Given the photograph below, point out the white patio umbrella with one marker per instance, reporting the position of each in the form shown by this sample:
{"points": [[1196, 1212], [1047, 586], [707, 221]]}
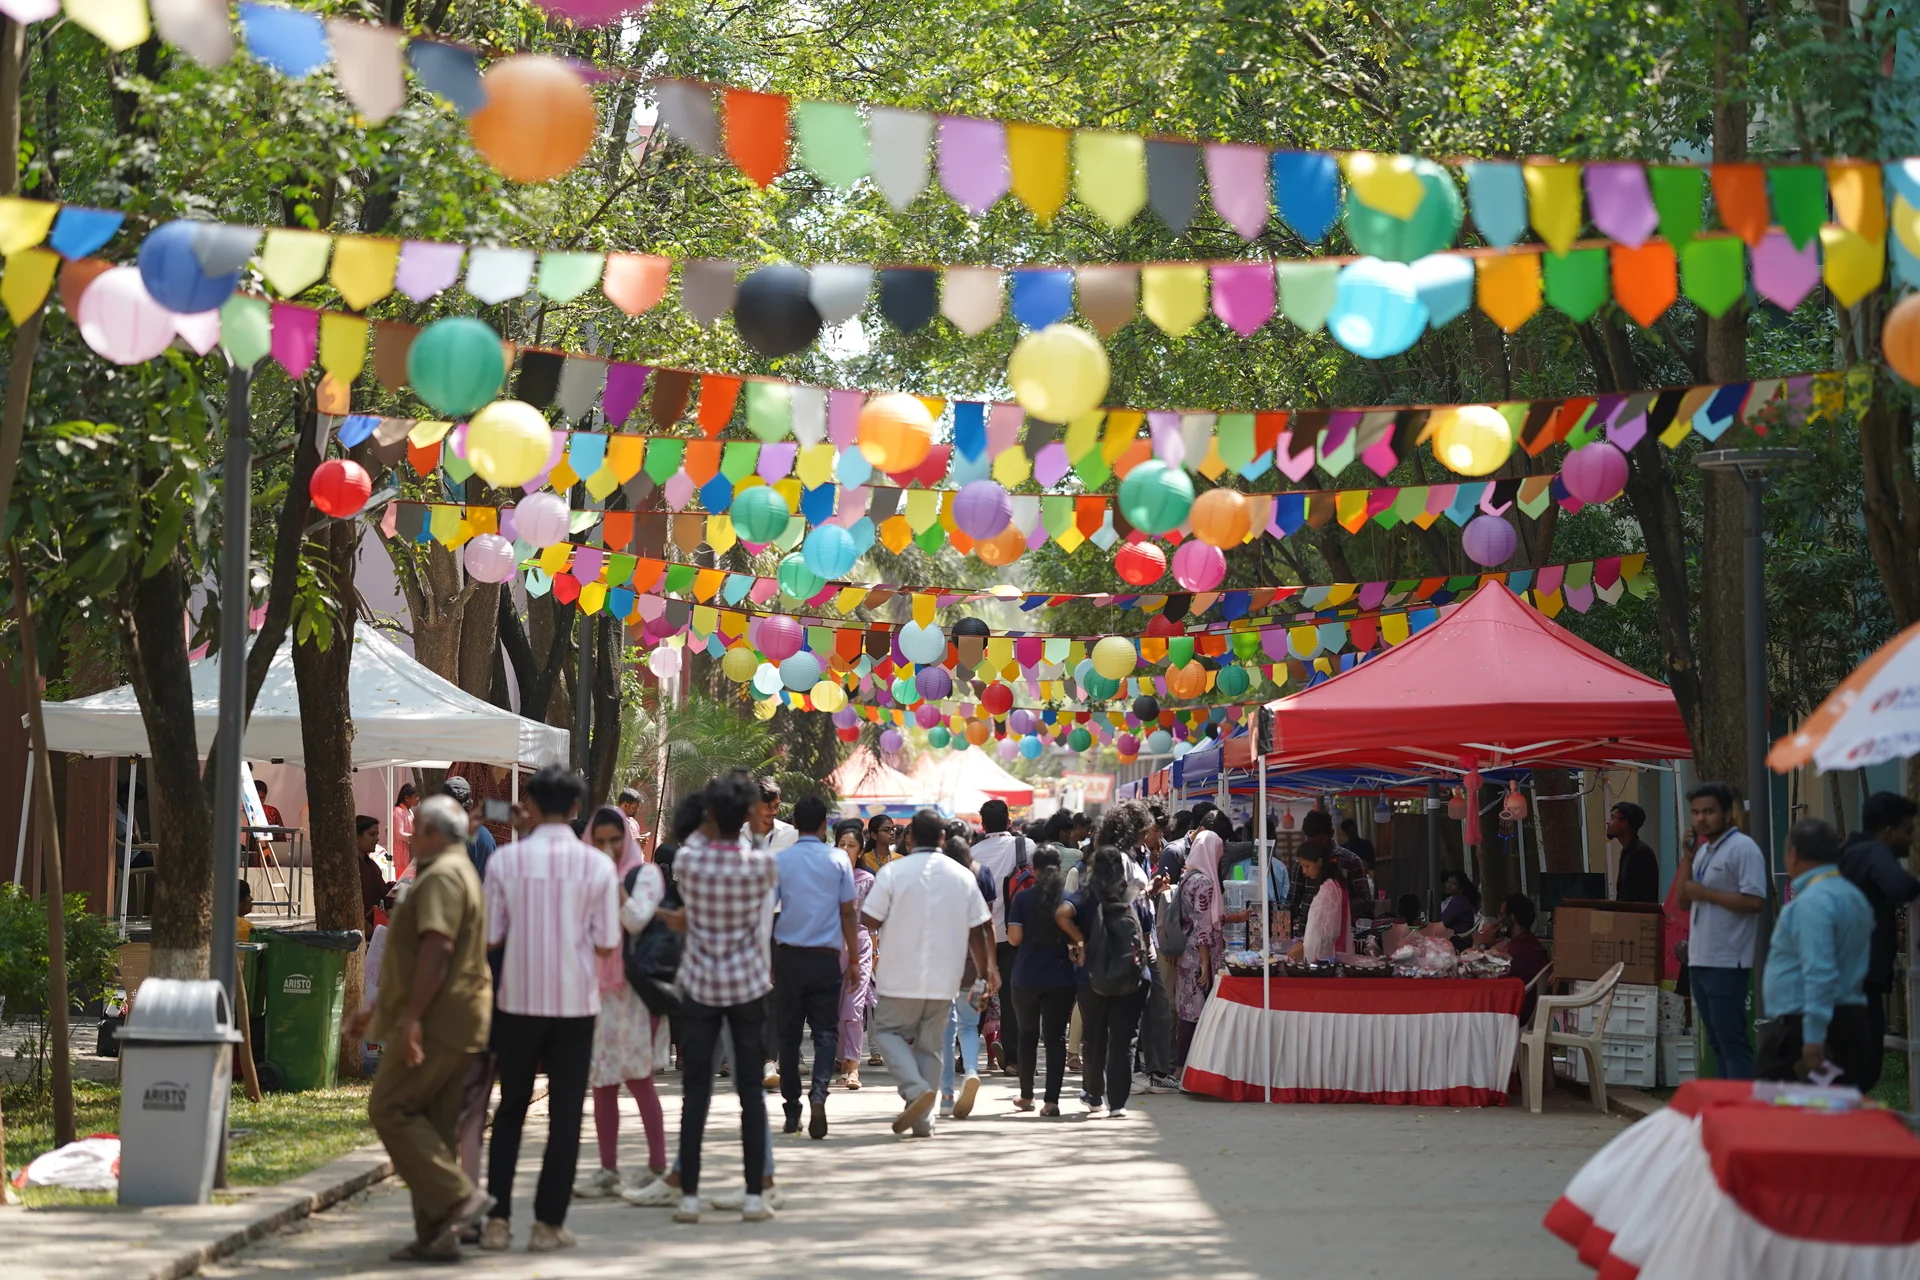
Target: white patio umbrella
{"points": [[1872, 717]]}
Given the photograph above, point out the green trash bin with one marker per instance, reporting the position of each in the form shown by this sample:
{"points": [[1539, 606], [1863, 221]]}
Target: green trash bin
{"points": [[304, 981]]}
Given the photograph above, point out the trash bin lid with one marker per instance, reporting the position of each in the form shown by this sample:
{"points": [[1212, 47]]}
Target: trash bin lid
{"points": [[249, 946], [325, 939], [180, 1011]]}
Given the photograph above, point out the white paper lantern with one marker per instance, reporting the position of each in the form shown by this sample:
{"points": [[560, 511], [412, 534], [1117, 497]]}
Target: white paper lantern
{"points": [[923, 645], [664, 661], [489, 558], [120, 320], [541, 519]]}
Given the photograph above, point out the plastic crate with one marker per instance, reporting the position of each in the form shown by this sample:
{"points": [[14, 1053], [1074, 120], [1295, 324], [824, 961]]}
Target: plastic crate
{"points": [[1628, 1060], [1676, 1061], [1634, 1011], [1675, 1019]]}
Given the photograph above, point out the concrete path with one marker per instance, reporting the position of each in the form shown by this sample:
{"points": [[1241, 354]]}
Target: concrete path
{"points": [[1186, 1187]]}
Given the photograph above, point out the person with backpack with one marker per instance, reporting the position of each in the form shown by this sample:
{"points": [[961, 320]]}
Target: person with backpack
{"points": [[1005, 857], [1107, 938], [1196, 933], [629, 1042], [1044, 982]]}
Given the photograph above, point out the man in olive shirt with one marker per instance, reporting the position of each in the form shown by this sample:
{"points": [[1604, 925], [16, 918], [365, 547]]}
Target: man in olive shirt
{"points": [[432, 1013]]}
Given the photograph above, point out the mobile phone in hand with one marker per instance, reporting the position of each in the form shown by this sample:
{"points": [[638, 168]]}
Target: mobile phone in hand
{"points": [[496, 811]]}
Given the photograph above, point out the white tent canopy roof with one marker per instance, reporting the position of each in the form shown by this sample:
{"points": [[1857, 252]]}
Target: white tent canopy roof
{"points": [[403, 714]]}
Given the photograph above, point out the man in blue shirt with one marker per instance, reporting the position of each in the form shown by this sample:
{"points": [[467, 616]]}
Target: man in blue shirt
{"points": [[1725, 885], [1815, 990], [479, 840], [816, 922]]}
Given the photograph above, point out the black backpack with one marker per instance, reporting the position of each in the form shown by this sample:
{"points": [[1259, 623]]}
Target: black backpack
{"points": [[1116, 950], [652, 959], [1021, 877]]}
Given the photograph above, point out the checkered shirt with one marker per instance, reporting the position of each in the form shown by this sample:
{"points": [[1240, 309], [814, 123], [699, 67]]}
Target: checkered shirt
{"points": [[727, 886]]}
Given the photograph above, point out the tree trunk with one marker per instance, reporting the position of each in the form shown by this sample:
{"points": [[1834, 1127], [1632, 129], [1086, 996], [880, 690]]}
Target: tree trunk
{"points": [[480, 638], [603, 750]]}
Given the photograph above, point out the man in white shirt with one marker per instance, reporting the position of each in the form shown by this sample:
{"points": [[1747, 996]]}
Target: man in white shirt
{"points": [[769, 831], [1725, 886], [931, 915], [1001, 852]]}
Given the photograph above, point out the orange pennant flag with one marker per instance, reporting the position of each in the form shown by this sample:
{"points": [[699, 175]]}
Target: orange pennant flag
{"points": [[1740, 193], [1645, 280], [717, 398], [633, 282], [1509, 288], [756, 125]]}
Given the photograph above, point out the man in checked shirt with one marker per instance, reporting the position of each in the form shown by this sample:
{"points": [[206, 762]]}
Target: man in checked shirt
{"points": [[725, 976]]}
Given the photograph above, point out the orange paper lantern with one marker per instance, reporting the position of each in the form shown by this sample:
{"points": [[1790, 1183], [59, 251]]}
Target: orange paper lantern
{"points": [[1220, 518], [1189, 681], [539, 119], [978, 732], [1900, 339], [895, 432], [1002, 549]]}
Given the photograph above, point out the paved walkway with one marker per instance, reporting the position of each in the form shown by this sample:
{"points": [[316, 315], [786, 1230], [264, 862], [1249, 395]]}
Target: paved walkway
{"points": [[1186, 1187]]}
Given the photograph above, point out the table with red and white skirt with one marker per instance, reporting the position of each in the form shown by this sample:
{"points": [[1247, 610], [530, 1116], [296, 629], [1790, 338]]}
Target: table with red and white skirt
{"points": [[1721, 1183], [1426, 1042]]}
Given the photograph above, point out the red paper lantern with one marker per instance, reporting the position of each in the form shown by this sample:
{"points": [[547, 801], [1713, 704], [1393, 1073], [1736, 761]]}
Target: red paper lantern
{"points": [[849, 734], [998, 699], [340, 487], [1140, 563], [1161, 625]]}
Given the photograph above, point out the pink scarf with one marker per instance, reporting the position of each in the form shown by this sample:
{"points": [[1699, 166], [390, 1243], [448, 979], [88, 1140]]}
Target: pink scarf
{"points": [[613, 968], [1203, 855]]}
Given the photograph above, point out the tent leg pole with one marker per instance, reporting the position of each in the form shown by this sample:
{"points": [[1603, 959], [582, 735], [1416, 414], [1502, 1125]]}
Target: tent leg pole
{"points": [[1266, 940], [1433, 850], [26, 809], [126, 854]]}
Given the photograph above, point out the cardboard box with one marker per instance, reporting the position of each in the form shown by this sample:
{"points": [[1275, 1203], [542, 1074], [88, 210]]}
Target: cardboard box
{"points": [[1591, 937]]}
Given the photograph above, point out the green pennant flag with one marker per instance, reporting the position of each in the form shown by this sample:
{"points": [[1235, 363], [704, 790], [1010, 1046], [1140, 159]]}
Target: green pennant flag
{"points": [[832, 142], [663, 459], [769, 410], [1577, 282], [1799, 195], [1678, 193], [1713, 273]]}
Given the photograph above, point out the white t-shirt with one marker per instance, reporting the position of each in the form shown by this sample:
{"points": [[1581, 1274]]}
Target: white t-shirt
{"points": [[927, 904], [997, 853]]}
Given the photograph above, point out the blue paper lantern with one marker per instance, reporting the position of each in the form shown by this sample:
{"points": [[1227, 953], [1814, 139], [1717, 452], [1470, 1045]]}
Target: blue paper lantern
{"points": [[800, 672], [829, 551], [173, 274], [1159, 742], [1031, 747], [1377, 311]]}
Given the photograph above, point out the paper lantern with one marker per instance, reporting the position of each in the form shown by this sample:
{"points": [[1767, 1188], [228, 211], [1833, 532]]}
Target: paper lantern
{"points": [[938, 736], [923, 644], [926, 717], [765, 710], [739, 664], [1472, 440], [760, 514], [541, 519], [779, 637], [904, 690], [1003, 549], [489, 558], [1199, 567], [340, 487], [1159, 742], [121, 321], [173, 275], [1595, 473], [1513, 808], [1079, 739], [1377, 309], [1099, 686], [1139, 564], [773, 312], [891, 741], [1030, 748], [456, 365], [978, 732], [1457, 806], [981, 509], [932, 683], [829, 551], [539, 119], [1220, 518], [1155, 498], [848, 734], [974, 627], [1161, 625], [797, 580], [1021, 721], [1488, 540], [895, 432], [1147, 707], [1232, 680], [508, 443], [1432, 226], [844, 718], [1900, 339], [1189, 681], [1058, 373], [828, 695], [997, 698], [800, 672], [1006, 749], [1115, 657], [664, 661]]}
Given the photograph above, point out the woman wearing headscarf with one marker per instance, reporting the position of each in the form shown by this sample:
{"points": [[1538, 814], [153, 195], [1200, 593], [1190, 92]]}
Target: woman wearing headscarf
{"points": [[1202, 906], [855, 1000], [629, 1043]]}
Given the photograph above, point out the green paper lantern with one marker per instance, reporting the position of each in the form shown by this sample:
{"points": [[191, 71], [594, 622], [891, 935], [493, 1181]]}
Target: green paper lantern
{"points": [[1155, 497], [1232, 681], [1080, 739], [456, 365], [798, 581], [939, 737], [904, 691], [1099, 686], [760, 514], [1434, 226]]}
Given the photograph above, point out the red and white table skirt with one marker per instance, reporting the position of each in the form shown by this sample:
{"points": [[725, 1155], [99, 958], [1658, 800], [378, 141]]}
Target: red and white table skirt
{"points": [[1425, 1042], [1717, 1184]]}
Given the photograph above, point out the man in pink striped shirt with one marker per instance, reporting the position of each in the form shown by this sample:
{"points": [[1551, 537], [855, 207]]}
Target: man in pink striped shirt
{"points": [[553, 902]]}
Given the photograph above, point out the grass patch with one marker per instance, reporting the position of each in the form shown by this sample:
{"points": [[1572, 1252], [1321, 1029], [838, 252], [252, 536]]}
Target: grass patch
{"points": [[282, 1136]]}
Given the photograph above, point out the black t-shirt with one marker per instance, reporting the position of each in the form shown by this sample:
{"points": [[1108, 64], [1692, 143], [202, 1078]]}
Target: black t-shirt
{"points": [[1639, 874], [1363, 849]]}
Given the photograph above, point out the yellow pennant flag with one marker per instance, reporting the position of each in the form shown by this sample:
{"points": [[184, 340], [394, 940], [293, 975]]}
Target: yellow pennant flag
{"points": [[1851, 264], [923, 508], [593, 597], [24, 223], [1386, 183], [1350, 509], [30, 274], [1122, 426], [848, 599], [1037, 155], [1212, 465], [1175, 298], [1857, 199], [427, 432], [1393, 627], [554, 558], [118, 24], [444, 523], [484, 519], [292, 260], [1508, 288], [705, 620], [1011, 466], [706, 582], [1906, 224], [1554, 204], [562, 477], [894, 534], [720, 535], [815, 464], [1083, 434], [363, 269], [343, 345], [1110, 174], [923, 605], [624, 456]]}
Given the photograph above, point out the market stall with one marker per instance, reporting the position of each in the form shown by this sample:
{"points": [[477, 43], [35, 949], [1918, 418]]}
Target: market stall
{"points": [[868, 785]]}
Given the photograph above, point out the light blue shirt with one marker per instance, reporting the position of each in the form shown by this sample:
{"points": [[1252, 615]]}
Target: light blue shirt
{"points": [[1817, 958], [1719, 938], [815, 878]]}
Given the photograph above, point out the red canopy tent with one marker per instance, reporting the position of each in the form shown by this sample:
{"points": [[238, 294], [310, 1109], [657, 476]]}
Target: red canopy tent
{"points": [[1494, 683]]}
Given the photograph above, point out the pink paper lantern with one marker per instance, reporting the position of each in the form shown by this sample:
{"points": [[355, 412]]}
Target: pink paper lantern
{"points": [[1127, 745], [1007, 749], [489, 558], [120, 320], [1198, 566], [981, 509], [541, 519], [780, 638], [890, 741], [928, 716], [1488, 540], [1595, 473]]}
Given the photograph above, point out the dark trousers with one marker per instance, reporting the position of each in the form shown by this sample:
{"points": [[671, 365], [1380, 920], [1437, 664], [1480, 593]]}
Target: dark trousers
{"points": [[806, 986], [700, 1029], [1044, 1012], [1877, 1035], [1851, 1046], [1720, 998], [523, 1044], [1010, 1019], [1107, 1024], [1156, 1025]]}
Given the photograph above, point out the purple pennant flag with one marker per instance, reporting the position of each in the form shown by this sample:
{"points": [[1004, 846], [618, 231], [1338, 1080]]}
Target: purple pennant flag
{"points": [[1630, 426], [776, 460], [1237, 178], [426, 269], [1243, 296], [1168, 444], [1051, 465], [973, 161], [1372, 593], [1621, 203], [625, 383], [587, 562], [296, 338], [1782, 274]]}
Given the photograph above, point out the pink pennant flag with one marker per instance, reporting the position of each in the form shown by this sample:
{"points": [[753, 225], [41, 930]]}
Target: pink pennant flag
{"points": [[427, 269], [973, 161], [1782, 274], [1440, 497], [1237, 179], [1581, 598], [296, 338], [1295, 466], [1486, 502], [763, 590], [1548, 580], [1372, 593], [843, 417], [853, 505], [1169, 446], [1243, 295], [1003, 426]]}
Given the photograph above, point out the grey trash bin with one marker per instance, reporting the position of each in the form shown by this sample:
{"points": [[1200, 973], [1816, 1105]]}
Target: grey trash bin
{"points": [[176, 1072]]}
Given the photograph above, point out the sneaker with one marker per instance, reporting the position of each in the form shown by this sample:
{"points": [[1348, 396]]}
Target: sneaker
{"points": [[969, 1090], [755, 1210], [924, 1129], [793, 1122], [497, 1236], [655, 1195], [634, 1179], [598, 1185], [725, 1199], [817, 1120], [546, 1239], [1118, 1113], [946, 1108], [775, 1197], [1162, 1084], [770, 1081], [689, 1210], [915, 1112]]}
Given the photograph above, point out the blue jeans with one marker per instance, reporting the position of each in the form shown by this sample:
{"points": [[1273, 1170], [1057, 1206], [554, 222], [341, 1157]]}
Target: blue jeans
{"points": [[963, 1022], [1720, 996]]}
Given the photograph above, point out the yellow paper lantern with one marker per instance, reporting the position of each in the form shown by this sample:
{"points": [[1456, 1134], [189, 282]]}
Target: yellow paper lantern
{"points": [[740, 663], [977, 732], [508, 443], [1115, 657], [1472, 440], [895, 432], [1059, 373], [828, 696], [1189, 681], [1220, 518], [765, 710]]}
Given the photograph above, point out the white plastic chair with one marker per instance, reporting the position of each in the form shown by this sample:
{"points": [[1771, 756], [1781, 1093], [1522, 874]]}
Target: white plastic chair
{"points": [[1538, 1041]]}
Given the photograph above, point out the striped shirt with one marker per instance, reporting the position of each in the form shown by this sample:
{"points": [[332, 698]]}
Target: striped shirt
{"points": [[553, 900], [728, 887]]}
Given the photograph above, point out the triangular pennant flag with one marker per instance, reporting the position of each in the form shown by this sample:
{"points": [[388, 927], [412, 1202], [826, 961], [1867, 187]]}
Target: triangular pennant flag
{"points": [[1645, 280], [1173, 182], [363, 269], [1508, 288], [832, 142], [756, 133], [1678, 193], [1553, 203], [898, 143], [452, 72], [291, 261], [1237, 181], [1497, 195], [973, 161], [1174, 296], [634, 282]]}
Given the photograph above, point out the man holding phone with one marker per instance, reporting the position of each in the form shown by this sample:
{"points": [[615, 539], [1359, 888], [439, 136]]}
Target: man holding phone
{"points": [[480, 841], [1815, 988]]}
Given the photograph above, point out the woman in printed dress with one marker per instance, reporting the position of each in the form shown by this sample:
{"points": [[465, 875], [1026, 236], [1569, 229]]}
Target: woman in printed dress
{"points": [[856, 1000], [1203, 907]]}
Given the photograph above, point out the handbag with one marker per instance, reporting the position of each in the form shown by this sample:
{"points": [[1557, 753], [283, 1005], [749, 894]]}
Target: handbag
{"points": [[651, 959]]}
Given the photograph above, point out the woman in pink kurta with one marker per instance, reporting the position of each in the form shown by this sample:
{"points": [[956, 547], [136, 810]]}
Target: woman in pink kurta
{"points": [[857, 999], [401, 833]]}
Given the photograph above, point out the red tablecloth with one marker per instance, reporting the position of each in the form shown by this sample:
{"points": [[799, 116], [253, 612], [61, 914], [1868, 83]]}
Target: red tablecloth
{"points": [[1853, 1178], [1404, 1041]]}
